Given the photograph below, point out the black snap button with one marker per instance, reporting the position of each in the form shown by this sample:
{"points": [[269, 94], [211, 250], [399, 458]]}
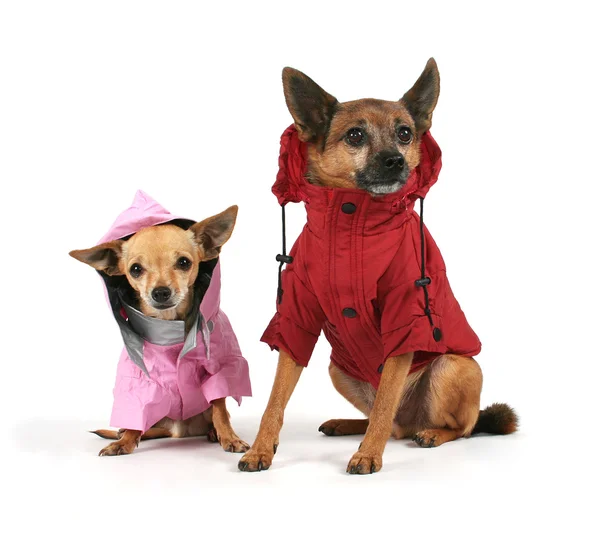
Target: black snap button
{"points": [[380, 368], [348, 208], [349, 312], [437, 334], [210, 325]]}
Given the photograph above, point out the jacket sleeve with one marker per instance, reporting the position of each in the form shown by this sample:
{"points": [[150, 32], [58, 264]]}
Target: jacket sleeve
{"points": [[297, 324]]}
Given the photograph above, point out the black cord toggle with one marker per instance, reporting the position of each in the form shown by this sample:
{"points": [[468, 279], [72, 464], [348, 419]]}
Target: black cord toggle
{"points": [[424, 280], [282, 258]]}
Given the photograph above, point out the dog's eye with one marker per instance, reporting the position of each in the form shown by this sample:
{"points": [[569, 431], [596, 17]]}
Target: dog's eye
{"points": [[135, 270], [183, 263], [404, 135], [355, 136]]}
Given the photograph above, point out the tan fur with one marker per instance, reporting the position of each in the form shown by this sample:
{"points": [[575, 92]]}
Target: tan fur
{"points": [[368, 458], [157, 250], [260, 455], [440, 397], [337, 163]]}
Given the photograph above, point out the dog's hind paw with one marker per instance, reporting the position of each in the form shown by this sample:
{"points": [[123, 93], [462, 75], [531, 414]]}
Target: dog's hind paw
{"points": [[425, 439], [212, 435], [336, 428], [117, 449]]}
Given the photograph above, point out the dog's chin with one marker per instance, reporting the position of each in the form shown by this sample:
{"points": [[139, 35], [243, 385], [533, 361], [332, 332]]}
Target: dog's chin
{"points": [[384, 188], [161, 311], [377, 184]]}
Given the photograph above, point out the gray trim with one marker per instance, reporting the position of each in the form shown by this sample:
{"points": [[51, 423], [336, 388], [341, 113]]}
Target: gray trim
{"points": [[156, 331], [139, 328], [190, 340]]}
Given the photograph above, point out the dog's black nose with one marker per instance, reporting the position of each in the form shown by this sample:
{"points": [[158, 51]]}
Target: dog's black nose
{"points": [[392, 160], [161, 294]]}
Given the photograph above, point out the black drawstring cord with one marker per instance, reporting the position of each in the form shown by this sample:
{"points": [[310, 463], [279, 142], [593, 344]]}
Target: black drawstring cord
{"points": [[425, 280], [283, 258]]}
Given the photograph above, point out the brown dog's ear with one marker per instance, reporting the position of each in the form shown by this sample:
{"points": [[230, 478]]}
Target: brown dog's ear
{"points": [[104, 257], [422, 98], [213, 232], [311, 107]]}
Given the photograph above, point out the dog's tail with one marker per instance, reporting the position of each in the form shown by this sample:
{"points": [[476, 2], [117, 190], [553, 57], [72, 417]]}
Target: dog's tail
{"points": [[106, 434], [498, 418]]}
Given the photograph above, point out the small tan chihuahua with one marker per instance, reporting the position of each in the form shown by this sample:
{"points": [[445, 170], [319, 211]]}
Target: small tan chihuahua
{"points": [[165, 269]]}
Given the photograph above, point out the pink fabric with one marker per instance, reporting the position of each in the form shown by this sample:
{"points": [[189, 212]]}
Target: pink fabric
{"points": [[178, 388]]}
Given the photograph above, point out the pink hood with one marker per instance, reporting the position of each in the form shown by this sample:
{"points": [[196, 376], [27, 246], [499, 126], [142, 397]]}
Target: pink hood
{"points": [[146, 212]]}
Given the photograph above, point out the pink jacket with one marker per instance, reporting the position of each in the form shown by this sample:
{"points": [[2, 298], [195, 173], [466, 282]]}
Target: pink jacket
{"points": [[164, 370]]}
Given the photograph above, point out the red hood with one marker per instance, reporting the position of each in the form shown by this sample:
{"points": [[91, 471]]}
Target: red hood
{"points": [[291, 184]]}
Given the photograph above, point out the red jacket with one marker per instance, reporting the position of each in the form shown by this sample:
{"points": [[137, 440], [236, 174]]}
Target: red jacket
{"points": [[357, 274]]}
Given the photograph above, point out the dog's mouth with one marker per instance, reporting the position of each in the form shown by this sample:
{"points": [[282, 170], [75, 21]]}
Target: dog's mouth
{"points": [[172, 303], [383, 187], [162, 307], [379, 184]]}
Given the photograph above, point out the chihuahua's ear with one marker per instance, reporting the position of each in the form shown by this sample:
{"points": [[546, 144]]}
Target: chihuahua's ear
{"points": [[311, 107], [213, 232], [104, 257], [422, 98]]}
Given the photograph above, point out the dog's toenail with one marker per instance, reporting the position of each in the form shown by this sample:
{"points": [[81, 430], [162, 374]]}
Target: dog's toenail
{"points": [[372, 468], [275, 448]]}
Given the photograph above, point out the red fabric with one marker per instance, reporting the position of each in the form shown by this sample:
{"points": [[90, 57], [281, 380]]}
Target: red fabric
{"points": [[368, 261]]}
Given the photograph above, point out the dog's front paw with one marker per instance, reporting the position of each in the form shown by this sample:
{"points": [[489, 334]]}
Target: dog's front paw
{"points": [[364, 463], [257, 460], [118, 448], [234, 445]]}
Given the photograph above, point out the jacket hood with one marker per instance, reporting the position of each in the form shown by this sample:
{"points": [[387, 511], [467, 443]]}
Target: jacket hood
{"points": [[291, 184], [136, 327], [143, 212], [146, 212]]}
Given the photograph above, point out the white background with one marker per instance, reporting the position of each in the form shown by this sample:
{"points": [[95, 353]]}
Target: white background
{"points": [[184, 100]]}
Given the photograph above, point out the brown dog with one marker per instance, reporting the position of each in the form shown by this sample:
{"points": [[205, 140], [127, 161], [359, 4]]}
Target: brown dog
{"points": [[374, 145], [161, 264]]}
